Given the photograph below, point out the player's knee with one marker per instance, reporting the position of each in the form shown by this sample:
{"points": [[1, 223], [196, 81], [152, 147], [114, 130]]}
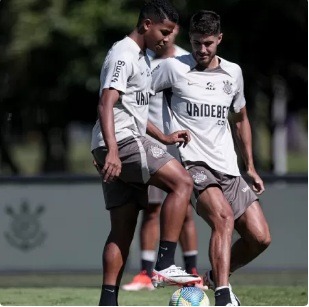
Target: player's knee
{"points": [[263, 241], [185, 184], [225, 222]]}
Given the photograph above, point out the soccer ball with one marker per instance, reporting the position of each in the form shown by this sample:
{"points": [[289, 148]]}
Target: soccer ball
{"points": [[189, 296]]}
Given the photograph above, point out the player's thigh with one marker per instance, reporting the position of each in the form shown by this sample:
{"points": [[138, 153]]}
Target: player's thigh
{"points": [[171, 175], [252, 224], [212, 206]]}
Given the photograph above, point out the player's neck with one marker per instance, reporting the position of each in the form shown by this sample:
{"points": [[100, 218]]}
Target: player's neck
{"points": [[214, 63], [169, 52], [139, 39]]}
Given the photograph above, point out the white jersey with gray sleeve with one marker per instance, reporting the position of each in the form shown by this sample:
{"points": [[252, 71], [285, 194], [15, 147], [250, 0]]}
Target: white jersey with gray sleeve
{"points": [[127, 69], [200, 102]]}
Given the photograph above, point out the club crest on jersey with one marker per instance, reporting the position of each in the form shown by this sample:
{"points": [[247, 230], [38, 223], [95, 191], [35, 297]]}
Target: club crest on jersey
{"points": [[199, 177], [156, 151], [227, 88]]}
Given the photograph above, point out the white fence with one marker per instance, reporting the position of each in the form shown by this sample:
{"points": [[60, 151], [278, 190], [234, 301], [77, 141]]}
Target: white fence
{"points": [[61, 224]]}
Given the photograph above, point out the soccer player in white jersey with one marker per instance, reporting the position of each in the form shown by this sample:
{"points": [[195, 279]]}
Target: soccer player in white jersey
{"points": [[149, 228], [202, 90], [128, 162]]}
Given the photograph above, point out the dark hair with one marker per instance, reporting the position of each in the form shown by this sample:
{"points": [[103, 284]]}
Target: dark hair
{"points": [[158, 10], [205, 22]]}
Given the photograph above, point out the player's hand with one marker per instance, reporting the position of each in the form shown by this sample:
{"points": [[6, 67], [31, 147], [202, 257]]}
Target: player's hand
{"points": [[257, 182], [111, 169], [182, 137]]}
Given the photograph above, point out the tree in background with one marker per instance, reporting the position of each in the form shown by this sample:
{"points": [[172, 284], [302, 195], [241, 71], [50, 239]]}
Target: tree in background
{"points": [[52, 52]]}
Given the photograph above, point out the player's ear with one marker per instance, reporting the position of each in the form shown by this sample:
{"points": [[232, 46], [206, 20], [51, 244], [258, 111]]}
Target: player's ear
{"points": [[220, 36], [146, 24]]}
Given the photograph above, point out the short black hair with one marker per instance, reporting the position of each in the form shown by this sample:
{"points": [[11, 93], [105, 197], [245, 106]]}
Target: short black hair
{"points": [[205, 22], [158, 10]]}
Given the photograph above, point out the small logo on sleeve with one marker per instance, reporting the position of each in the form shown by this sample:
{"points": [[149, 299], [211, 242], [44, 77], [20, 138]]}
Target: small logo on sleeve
{"points": [[117, 70]]}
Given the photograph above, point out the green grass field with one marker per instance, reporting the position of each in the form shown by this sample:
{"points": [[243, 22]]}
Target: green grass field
{"points": [[56, 289]]}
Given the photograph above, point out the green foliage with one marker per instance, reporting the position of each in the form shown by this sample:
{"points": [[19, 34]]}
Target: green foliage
{"points": [[52, 52], [77, 32]]}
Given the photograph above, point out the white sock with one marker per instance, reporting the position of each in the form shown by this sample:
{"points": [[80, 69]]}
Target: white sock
{"points": [[190, 253], [148, 255], [222, 287]]}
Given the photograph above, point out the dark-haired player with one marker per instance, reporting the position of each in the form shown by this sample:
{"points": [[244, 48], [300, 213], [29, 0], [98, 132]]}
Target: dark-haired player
{"points": [[128, 162], [203, 89]]}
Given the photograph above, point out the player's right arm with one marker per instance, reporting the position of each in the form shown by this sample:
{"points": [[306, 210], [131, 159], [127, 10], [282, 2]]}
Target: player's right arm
{"points": [[112, 167], [182, 137]]}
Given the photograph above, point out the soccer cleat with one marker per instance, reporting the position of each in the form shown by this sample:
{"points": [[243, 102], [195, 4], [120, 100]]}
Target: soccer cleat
{"points": [[173, 276], [208, 281], [235, 299], [226, 297], [199, 284], [211, 285], [139, 282]]}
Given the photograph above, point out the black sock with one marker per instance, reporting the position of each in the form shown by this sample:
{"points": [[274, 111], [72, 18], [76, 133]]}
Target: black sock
{"points": [[147, 266], [190, 263], [109, 295], [223, 296], [166, 255]]}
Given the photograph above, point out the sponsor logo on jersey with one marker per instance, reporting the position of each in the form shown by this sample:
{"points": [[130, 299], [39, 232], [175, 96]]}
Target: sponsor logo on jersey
{"points": [[156, 151], [199, 177], [148, 73], [142, 99], [117, 70], [227, 88], [157, 67], [207, 110], [192, 83], [210, 86]]}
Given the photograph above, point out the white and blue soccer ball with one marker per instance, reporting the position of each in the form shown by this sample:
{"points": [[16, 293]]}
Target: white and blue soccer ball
{"points": [[189, 296]]}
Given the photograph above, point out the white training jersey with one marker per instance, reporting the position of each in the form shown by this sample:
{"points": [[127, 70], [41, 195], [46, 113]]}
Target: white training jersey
{"points": [[127, 69], [200, 102], [159, 113]]}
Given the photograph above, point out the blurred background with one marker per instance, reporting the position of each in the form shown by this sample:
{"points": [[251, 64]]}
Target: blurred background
{"points": [[52, 215], [51, 56]]}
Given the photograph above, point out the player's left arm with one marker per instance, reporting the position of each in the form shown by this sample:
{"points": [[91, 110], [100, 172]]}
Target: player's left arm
{"points": [[243, 138]]}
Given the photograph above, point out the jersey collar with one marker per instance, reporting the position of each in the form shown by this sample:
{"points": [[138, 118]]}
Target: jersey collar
{"points": [[135, 46]]}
